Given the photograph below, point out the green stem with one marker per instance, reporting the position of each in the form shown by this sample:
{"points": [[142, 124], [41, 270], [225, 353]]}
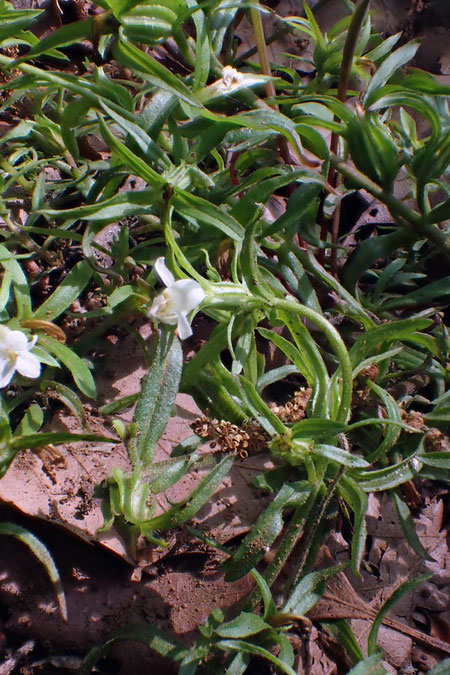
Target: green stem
{"points": [[258, 32], [398, 209], [350, 48], [277, 34], [290, 539], [306, 544], [336, 343], [422, 201]]}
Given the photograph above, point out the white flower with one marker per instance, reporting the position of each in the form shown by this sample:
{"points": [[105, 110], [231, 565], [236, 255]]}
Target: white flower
{"points": [[15, 355], [232, 80], [174, 304], [231, 77]]}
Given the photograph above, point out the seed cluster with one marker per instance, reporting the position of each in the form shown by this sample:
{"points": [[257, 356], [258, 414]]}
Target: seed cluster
{"points": [[294, 410], [243, 440], [248, 438]]}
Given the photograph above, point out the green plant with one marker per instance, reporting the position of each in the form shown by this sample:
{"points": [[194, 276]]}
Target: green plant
{"points": [[200, 221]]}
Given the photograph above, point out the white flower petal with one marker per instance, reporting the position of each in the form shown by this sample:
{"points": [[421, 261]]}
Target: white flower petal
{"points": [[184, 327], [186, 295], [4, 331], [7, 369], [164, 274], [176, 301], [15, 340], [28, 364]]}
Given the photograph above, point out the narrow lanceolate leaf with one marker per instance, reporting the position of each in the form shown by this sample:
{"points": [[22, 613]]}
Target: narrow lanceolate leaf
{"points": [[66, 35], [206, 213], [31, 421], [135, 59], [258, 409], [242, 626], [12, 22], [250, 648], [69, 398], [160, 641], [55, 438], [265, 531], [80, 371], [339, 455], [370, 666], [357, 500], [385, 479], [202, 49], [129, 159], [435, 293], [368, 252], [183, 511], [440, 460], [406, 521], [309, 590], [159, 388], [270, 608], [19, 282], [317, 429], [371, 341], [406, 587], [392, 432], [150, 149], [393, 62], [108, 210], [66, 293], [43, 555]]}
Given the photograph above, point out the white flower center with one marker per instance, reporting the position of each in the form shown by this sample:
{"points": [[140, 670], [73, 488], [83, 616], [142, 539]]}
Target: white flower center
{"points": [[166, 306], [11, 355], [231, 77]]}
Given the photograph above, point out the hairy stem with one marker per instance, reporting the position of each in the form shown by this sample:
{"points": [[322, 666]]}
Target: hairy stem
{"points": [[287, 545], [295, 577]]}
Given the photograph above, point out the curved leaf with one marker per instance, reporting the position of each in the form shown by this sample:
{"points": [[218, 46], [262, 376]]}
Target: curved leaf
{"points": [[389, 66], [43, 555]]}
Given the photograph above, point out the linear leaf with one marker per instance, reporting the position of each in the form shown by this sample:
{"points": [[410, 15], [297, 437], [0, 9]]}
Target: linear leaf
{"points": [[183, 511], [356, 499], [66, 293], [371, 341], [309, 590], [112, 209], [192, 206], [406, 521], [80, 371], [406, 587], [389, 66], [266, 529], [249, 648], [131, 57], [339, 455], [130, 160], [43, 555], [161, 642]]}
